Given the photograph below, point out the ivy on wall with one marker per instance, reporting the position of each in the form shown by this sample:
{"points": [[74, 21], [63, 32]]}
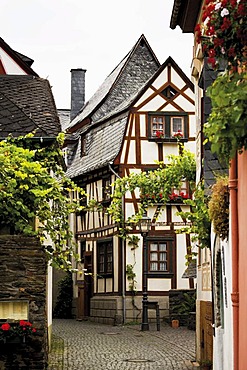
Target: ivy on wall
{"points": [[34, 190]]}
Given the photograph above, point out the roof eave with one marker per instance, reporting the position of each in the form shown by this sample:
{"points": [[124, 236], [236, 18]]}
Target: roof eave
{"points": [[185, 14]]}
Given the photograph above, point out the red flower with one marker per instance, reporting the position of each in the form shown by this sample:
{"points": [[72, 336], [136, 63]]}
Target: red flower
{"points": [[34, 330], [161, 195], [212, 61], [241, 10], [226, 24], [218, 42], [198, 28], [233, 3], [231, 52], [5, 327], [210, 31], [211, 53]]}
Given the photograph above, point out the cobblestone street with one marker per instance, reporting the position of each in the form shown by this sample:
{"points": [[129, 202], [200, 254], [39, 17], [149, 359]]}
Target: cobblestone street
{"points": [[91, 346]]}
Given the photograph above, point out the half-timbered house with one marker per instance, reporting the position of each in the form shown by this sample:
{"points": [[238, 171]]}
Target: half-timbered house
{"points": [[127, 125]]}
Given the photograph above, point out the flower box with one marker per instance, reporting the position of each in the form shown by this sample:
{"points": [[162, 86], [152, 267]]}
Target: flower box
{"points": [[16, 332]]}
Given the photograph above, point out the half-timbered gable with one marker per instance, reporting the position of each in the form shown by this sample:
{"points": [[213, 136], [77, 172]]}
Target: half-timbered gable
{"points": [[132, 121]]}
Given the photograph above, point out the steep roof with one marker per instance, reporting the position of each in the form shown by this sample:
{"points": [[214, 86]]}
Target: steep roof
{"points": [[102, 145], [22, 60], [27, 104], [122, 85], [106, 113]]}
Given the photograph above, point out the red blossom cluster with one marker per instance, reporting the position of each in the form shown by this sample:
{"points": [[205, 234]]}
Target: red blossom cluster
{"points": [[159, 134], [222, 32], [178, 134], [20, 329], [181, 195]]}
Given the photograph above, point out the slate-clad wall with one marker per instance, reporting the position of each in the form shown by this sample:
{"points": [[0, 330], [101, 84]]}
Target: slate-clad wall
{"points": [[23, 277]]}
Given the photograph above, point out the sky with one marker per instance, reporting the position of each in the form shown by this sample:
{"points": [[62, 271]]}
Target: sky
{"points": [[91, 34]]}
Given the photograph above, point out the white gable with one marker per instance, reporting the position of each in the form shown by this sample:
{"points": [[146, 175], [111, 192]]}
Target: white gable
{"points": [[10, 66]]}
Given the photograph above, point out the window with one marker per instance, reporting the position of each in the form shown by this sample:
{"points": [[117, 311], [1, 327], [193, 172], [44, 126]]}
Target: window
{"points": [[105, 257], [177, 125], [82, 250], [158, 256], [106, 189], [157, 126], [161, 254], [167, 126]]}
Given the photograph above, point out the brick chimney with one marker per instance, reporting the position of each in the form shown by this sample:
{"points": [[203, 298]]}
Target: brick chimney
{"points": [[77, 91]]}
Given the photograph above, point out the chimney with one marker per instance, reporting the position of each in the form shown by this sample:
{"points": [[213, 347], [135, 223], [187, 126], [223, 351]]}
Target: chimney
{"points": [[77, 91]]}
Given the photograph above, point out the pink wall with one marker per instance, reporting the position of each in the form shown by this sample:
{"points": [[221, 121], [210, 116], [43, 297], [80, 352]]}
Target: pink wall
{"points": [[242, 217]]}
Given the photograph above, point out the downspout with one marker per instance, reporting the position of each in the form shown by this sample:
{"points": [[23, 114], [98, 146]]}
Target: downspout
{"points": [[123, 254], [233, 188]]}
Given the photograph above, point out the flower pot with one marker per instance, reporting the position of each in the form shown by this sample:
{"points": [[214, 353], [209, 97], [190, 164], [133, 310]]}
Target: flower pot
{"points": [[175, 324]]}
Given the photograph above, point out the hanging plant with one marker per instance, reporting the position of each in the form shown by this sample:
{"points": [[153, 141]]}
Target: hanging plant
{"points": [[219, 207], [226, 128], [222, 32]]}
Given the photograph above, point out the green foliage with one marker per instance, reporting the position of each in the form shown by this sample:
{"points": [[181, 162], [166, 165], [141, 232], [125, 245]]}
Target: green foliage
{"points": [[131, 275], [219, 207], [198, 218], [63, 307], [161, 181], [226, 128], [34, 190], [133, 241], [185, 306]]}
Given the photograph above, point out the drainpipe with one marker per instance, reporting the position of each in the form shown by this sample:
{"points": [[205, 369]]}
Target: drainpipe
{"points": [[123, 254], [233, 188]]}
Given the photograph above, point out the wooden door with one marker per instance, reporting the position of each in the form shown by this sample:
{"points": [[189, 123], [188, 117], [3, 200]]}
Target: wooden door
{"points": [[206, 331]]}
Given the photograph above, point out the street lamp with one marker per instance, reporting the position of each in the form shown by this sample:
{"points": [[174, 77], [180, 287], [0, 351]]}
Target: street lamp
{"points": [[145, 225]]}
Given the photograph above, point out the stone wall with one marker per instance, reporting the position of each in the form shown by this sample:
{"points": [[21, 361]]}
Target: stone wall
{"points": [[23, 278]]}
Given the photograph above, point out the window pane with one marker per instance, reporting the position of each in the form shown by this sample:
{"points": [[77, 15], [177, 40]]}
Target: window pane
{"points": [[153, 247], [163, 256], [163, 266], [154, 266], [162, 247], [177, 124], [154, 256]]}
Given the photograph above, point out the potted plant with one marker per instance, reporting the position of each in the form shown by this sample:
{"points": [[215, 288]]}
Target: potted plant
{"points": [[16, 332]]}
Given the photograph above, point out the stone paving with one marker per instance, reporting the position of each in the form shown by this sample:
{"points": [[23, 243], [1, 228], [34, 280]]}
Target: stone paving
{"points": [[83, 345]]}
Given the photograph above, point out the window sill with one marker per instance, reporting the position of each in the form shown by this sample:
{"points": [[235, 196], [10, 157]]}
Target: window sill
{"points": [[160, 274], [167, 140]]}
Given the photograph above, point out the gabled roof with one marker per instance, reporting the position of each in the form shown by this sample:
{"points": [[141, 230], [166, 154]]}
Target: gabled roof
{"points": [[23, 61], [105, 115], [27, 104], [122, 85]]}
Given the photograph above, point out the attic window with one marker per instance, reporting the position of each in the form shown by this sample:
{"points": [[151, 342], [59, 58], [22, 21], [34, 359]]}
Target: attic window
{"points": [[169, 92]]}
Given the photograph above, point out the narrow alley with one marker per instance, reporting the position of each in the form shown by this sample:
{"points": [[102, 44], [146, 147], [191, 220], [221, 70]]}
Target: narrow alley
{"points": [[83, 345]]}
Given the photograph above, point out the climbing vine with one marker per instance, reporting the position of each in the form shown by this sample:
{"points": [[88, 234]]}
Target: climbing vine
{"points": [[152, 187], [198, 218], [34, 196]]}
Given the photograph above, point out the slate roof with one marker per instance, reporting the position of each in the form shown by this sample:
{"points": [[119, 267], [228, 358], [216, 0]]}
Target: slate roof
{"points": [[105, 114], [122, 85], [102, 146], [28, 100], [64, 117], [190, 271]]}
